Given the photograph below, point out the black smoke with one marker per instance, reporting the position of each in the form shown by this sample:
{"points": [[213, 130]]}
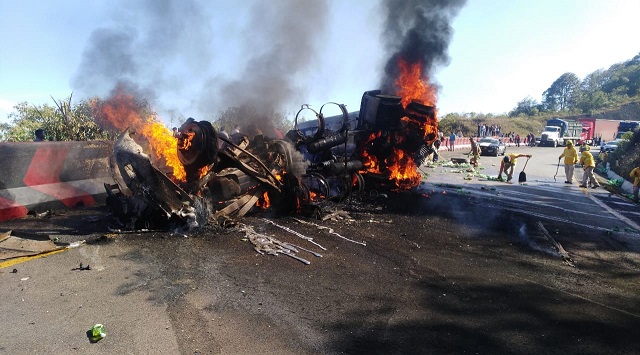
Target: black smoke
{"points": [[418, 31]]}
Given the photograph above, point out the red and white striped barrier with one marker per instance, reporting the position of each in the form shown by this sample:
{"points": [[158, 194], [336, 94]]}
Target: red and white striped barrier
{"points": [[37, 176]]}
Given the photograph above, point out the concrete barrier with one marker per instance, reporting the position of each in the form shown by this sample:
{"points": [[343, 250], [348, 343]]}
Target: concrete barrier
{"points": [[38, 176], [627, 186]]}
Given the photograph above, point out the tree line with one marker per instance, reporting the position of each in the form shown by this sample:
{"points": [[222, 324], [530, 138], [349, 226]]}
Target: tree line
{"points": [[67, 121], [62, 121], [598, 90]]}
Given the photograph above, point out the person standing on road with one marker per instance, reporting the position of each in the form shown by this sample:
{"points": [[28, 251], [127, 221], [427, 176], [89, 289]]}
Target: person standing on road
{"points": [[588, 164], [508, 164], [452, 141], [570, 155], [475, 152], [602, 158], [39, 133], [436, 148], [635, 174]]}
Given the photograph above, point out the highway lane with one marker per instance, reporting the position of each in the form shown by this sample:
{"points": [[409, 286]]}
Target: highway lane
{"points": [[459, 267], [541, 195]]}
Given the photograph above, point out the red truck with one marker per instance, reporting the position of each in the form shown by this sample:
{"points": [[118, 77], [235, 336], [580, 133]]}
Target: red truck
{"points": [[597, 130]]}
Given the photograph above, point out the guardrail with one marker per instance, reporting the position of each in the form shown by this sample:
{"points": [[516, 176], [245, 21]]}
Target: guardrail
{"points": [[40, 176]]}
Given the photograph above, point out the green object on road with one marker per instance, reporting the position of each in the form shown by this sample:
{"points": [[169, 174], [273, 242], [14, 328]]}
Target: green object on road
{"points": [[615, 182], [97, 332]]}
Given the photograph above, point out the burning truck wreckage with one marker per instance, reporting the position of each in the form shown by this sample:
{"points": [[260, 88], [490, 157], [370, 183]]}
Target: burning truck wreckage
{"points": [[202, 178]]}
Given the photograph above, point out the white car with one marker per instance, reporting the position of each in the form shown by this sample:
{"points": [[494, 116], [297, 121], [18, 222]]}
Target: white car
{"points": [[610, 146], [492, 146]]}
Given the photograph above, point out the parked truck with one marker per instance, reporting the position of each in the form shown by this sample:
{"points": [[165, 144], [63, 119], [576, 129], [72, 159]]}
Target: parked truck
{"points": [[557, 132], [595, 131], [626, 126]]}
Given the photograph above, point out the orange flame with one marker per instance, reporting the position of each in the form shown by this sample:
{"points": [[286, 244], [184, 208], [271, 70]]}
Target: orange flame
{"points": [[403, 169], [122, 111], [412, 86], [369, 161], [186, 140], [203, 171], [264, 201]]}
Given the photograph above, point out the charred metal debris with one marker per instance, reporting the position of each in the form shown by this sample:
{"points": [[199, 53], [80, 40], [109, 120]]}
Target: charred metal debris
{"points": [[316, 163]]}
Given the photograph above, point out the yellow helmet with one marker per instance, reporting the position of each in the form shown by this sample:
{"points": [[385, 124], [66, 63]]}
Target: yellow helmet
{"points": [[570, 143]]}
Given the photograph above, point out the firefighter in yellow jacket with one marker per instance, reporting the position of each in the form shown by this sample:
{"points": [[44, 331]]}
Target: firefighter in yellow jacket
{"points": [[588, 164], [570, 155], [508, 164], [635, 174]]}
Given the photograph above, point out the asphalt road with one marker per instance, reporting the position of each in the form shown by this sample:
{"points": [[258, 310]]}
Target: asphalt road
{"points": [[458, 266]]}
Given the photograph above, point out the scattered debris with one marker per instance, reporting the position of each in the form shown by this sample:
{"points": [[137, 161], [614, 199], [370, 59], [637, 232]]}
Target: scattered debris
{"points": [[96, 333], [76, 244], [264, 244], [82, 267], [615, 182], [309, 239], [563, 253], [330, 231], [12, 246], [339, 215], [460, 161], [5, 235], [44, 214]]}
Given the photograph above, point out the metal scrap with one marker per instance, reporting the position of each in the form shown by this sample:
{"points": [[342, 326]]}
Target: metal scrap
{"points": [[265, 244], [330, 231], [309, 239], [563, 253]]}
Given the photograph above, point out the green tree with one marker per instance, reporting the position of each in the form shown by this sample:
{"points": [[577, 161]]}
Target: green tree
{"points": [[527, 106], [62, 122], [563, 94]]}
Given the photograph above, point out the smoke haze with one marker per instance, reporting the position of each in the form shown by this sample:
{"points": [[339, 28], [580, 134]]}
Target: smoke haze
{"points": [[172, 49]]}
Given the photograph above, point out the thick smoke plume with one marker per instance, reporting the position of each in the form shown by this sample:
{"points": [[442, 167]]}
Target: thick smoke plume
{"points": [[417, 31], [282, 43], [167, 49], [168, 35]]}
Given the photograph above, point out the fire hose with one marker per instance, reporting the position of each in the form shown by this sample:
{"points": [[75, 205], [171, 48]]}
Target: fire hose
{"points": [[558, 168]]}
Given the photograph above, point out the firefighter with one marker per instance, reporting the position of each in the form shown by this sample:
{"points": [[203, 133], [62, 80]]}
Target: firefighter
{"points": [[635, 174], [570, 155], [508, 164], [602, 157], [474, 153], [588, 164]]}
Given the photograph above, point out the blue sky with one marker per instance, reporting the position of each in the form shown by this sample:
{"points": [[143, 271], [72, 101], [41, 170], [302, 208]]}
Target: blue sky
{"points": [[502, 51]]}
